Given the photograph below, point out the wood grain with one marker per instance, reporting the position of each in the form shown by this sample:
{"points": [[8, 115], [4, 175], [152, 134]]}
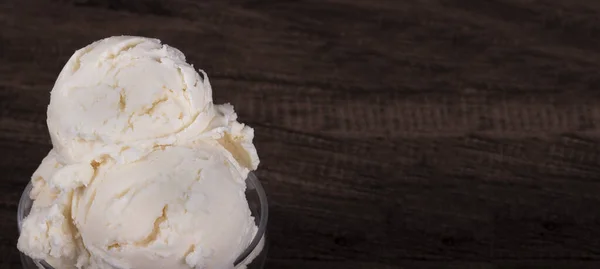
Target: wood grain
{"points": [[392, 134]]}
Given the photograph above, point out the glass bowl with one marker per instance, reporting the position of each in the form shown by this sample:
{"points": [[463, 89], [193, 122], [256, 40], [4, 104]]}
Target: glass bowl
{"points": [[252, 258]]}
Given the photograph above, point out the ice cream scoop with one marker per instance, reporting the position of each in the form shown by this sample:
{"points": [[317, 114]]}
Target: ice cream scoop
{"points": [[122, 96], [179, 207]]}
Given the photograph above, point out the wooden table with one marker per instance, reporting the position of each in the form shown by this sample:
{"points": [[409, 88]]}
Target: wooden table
{"points": [[392, 134]]}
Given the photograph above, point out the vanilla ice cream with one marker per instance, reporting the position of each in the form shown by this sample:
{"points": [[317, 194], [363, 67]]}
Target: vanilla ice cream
{"points": [[146, 172], [188, 204], [121, 96], [48, 231]]}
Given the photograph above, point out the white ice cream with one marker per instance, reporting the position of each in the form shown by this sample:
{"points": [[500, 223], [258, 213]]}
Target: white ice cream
{"points": [[122, 96], [48, 231], [146, 172], [177, 208]]}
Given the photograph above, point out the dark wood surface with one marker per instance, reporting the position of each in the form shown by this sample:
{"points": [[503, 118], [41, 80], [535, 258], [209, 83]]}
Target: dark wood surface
{"points": [[393, 134]]}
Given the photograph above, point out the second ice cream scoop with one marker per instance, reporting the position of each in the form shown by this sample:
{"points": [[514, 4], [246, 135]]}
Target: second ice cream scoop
{"points": [[177, 208]]}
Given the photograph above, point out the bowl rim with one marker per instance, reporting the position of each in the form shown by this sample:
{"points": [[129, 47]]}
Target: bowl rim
{"points": [[252, 182]]}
